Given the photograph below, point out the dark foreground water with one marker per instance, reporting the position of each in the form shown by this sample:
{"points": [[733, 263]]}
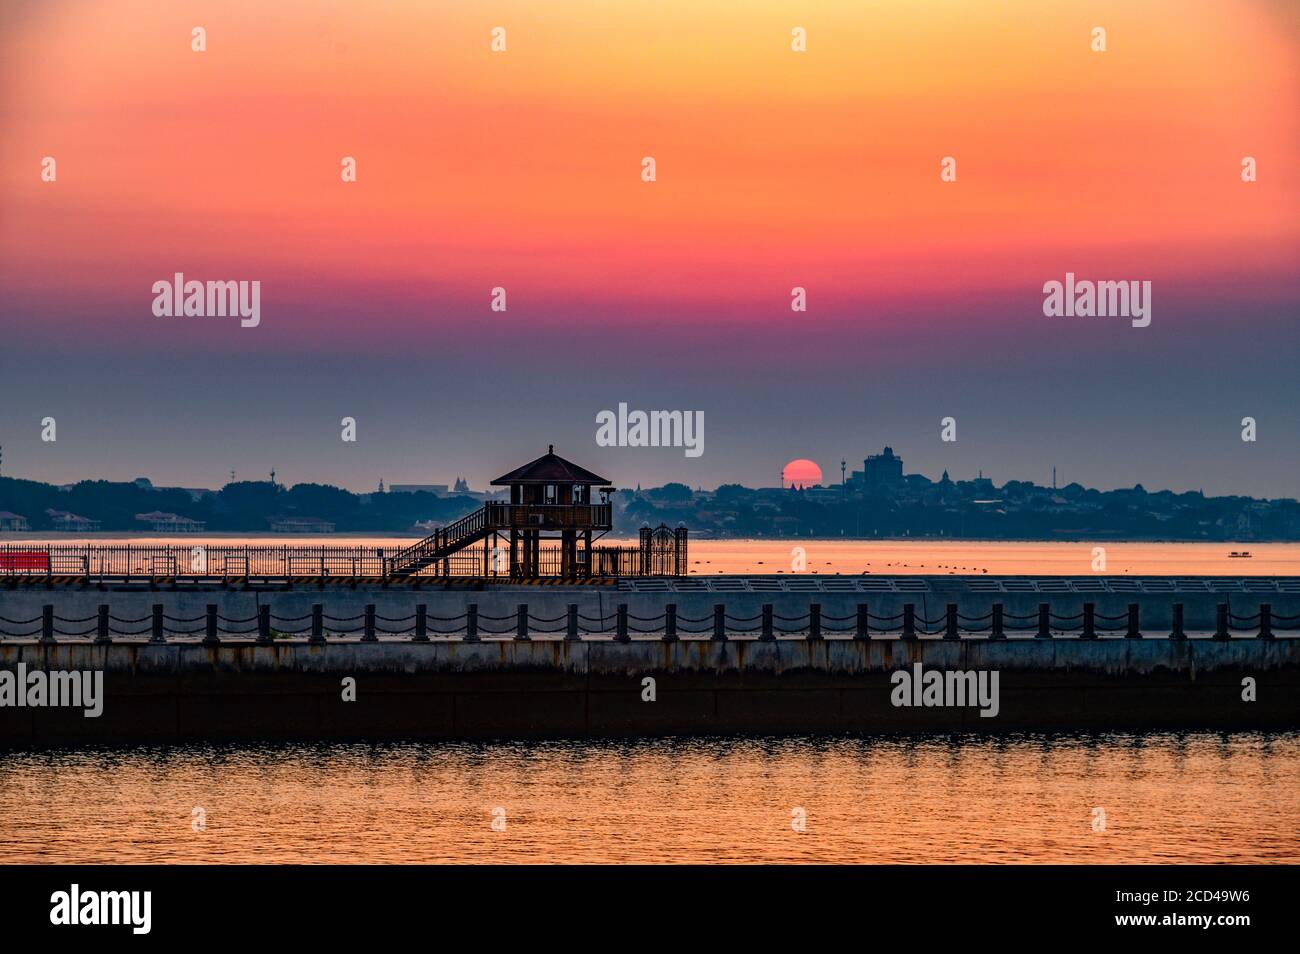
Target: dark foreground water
{"points": [[1196, 797]]}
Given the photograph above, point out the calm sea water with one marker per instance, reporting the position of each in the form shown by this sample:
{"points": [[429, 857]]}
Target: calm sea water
{"points": [[1196, 797], [888, 557]]}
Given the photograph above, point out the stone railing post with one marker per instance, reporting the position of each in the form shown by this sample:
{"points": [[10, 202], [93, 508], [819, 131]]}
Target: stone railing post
{"points": [[156, 630], [909, 621], [317, 624], [1089, 621], [1044, 621], [1221, 622], [101, 627]]}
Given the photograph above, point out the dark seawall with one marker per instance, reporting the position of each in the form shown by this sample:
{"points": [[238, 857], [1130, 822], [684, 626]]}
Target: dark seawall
{"points": [[549, 688], [175, 670]]}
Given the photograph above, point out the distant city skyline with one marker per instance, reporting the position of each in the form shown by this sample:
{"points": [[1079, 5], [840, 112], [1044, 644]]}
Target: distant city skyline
{"points": [[830, 479]]}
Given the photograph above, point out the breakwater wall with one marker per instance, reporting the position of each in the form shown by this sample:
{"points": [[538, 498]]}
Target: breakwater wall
{"points": [[552, 687], [203, 660]]}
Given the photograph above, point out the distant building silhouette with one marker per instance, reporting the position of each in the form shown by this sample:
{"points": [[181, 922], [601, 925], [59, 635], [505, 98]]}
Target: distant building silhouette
{"points": [[882, 472]]}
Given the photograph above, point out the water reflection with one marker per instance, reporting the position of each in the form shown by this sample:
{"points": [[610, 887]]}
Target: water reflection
{"points": [[1188, 797]]}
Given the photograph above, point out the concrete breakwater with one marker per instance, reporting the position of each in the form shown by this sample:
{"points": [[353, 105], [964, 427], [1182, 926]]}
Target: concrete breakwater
{"points": [[186, 661], [552, 687]]}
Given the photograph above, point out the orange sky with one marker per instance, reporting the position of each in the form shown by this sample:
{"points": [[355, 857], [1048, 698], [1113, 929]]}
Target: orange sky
{"points": [[819, 168], [775, 169]]}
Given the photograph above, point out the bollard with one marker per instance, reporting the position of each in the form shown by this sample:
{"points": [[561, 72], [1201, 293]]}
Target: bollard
{"points": [[368, 636], [1177, 632], [1134, 630], [950, 625], [719, 621], [909, 621], [997, 629], [1221, 622], [571, 624], [814, 620], [864, 622], [101, 633], [156, 636], [620, 624], [264, 626], [47, 623], [1089, 621], [421, 624], [521, 621], [1044, 621], [210, 637], [765, 634], [471, 623], [670, 623], [1265, 620], [317, 624]]}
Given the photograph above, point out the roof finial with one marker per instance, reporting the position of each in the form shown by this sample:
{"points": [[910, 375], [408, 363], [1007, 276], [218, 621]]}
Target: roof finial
{"points": [[550, 448]]}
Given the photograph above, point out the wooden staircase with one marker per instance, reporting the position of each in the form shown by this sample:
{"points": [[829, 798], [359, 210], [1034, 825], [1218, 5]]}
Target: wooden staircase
{"points": [[442, 543]]}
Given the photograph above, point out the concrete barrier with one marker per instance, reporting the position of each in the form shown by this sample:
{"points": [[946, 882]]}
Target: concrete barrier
{"points": [[549, 687]]}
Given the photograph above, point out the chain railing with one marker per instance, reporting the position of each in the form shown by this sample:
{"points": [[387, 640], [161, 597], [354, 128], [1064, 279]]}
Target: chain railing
{"points": [[266, 627]]}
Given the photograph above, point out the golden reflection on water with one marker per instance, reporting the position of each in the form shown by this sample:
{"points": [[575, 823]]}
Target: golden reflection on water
{"points": [[1202, 797]]}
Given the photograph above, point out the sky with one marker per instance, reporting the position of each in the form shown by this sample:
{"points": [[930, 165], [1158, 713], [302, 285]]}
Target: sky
{"points": [[774, 169]]}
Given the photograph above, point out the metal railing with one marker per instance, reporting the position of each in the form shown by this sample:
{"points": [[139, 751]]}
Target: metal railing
{"points": [[765, 626]]}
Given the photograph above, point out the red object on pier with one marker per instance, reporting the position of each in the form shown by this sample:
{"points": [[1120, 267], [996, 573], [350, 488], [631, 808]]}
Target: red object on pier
{"points": [[25, 560]]}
